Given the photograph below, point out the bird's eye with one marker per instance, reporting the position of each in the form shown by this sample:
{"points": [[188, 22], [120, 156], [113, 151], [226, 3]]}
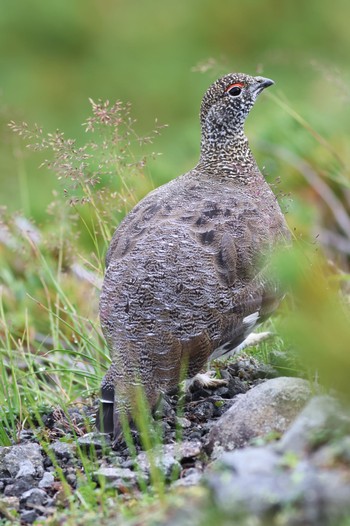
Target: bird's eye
{"points": [[234, 89]]}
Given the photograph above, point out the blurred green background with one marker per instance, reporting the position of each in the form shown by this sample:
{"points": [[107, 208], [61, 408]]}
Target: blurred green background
{"points": [[56, 54]]}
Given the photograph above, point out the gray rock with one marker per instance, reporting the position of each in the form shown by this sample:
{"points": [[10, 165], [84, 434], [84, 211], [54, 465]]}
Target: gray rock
{"points": [[257, 481], [71, 478], [63, 450], [321, 416], [33, 497], [96, 441], [29, 516], [267, 408], [185, 450], [238, 486], [18, 487], [21, 460], [204, 411], [168, 458], [161, 460], [253, 460], [27, 469], [112, 473], [191, 477], [47, 480], [116, 477], [183, 422]]}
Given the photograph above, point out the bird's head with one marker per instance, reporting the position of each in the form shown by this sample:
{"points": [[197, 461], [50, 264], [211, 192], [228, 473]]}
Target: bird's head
{"points": [[227, 103]]}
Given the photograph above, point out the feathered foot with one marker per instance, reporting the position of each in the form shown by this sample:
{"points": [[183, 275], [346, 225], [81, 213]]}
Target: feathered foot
{"points": [[205, 380]]}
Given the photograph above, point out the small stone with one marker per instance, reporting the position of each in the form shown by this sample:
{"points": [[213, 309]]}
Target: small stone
{"points": [[199, 393], [34, 497], [127, 463], [190, 477], [18, 487], [47, 480], [48, 463], [27, 469], [183, 422], [120, 479], [165, 462], [257, 460], [222, 391], [71, 478], [187, 449], [29, 516], [236, 386], [63, 450], [117, 477], [164, 409], [97, 441], [204, 411], [196, 435]]}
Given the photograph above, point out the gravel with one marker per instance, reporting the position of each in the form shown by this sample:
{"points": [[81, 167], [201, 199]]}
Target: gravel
{"points": [[257, 480]]}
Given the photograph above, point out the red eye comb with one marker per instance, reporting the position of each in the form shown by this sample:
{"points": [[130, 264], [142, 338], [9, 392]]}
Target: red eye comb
{"points": [[235, 85]]}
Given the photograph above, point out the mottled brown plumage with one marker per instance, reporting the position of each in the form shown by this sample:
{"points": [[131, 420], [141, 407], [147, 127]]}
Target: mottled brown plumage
{"points": [[187, 270]]}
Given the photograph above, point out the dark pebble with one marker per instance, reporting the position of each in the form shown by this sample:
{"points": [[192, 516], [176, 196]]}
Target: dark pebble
{"points": [[204, 411], [18, 487], [236, 386], [199, 392], [29, 516], [222, 391], [127, 464], [62, 450], [47, 463], [33, 497], [196, 435], [71, 479]]}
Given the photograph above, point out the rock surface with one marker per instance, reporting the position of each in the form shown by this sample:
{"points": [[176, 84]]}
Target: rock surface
{"points": [[318, 420], [268, 408], [258, 481], [21, 461]]}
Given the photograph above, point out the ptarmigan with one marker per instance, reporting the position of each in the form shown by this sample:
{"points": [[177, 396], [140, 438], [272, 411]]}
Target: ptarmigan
{"points": [[187, 272]]}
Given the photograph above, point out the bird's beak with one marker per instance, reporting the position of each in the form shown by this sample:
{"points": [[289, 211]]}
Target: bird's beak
{"points": [[260, 84]]}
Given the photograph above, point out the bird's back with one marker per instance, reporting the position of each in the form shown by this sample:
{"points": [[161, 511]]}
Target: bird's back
{"points": [[183, 272]]}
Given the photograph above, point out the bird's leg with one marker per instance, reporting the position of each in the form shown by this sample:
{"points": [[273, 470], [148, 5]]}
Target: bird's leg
{"points": [[206, 379], [105, 412]]}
